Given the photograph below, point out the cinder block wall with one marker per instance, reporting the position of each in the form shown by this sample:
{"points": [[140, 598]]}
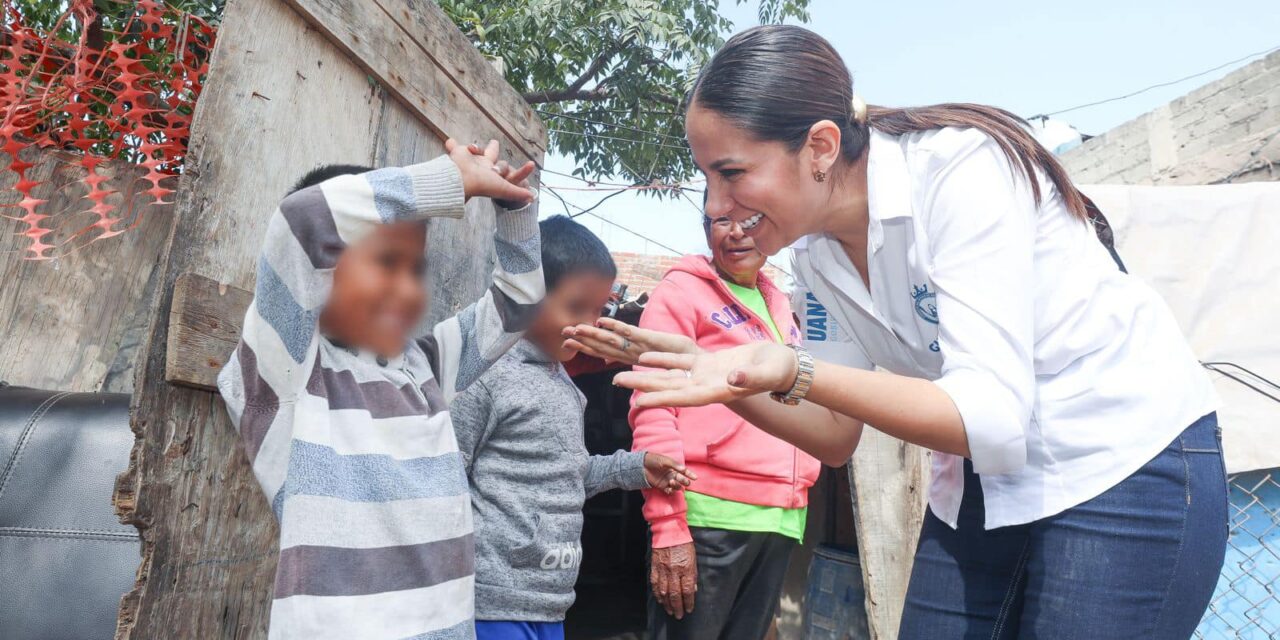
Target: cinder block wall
{"points": [[1226, 131]]}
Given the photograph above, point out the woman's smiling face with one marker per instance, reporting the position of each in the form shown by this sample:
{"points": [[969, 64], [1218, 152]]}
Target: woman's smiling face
{"points": [[763, 186]]}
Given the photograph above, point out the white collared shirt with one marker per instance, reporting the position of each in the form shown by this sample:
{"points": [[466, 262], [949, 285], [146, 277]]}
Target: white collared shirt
{"points": [[1069, 374]]}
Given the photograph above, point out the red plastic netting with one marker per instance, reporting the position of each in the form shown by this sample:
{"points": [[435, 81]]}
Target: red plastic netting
{"points": [[112, 92]]}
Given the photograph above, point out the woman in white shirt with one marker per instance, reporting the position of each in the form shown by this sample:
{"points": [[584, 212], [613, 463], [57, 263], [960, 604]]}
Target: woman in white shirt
{"points": [[956, 297]]}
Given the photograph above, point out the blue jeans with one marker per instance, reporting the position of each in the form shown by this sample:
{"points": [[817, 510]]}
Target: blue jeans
{"points": [[1139, 561], [518, 630]]}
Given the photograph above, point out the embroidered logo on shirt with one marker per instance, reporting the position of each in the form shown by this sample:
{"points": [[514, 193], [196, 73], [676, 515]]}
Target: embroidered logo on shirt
{"points": [[926, 303]]}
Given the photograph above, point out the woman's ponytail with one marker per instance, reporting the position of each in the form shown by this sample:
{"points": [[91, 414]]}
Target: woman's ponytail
{"points": [[1010, 132]]}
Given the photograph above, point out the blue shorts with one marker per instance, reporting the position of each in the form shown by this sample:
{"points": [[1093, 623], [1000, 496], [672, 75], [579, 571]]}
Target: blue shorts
{"points": [[518, 630]]}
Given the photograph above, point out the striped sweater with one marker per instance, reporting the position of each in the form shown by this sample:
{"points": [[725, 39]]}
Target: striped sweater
{"points": [[357, 453]]}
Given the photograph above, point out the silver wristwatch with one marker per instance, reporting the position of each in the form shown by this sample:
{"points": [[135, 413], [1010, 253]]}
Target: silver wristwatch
{"points": [[804, 378]]}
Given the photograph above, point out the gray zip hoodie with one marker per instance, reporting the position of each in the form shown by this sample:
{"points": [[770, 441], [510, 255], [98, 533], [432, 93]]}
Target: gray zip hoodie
{"points": [[520, 432]]}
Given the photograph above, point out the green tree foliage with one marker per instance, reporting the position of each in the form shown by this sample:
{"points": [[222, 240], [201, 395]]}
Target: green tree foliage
{"points": [[608, 76], [44, 14]]}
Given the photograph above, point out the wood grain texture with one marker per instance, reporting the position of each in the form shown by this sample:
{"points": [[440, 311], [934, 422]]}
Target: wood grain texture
{"points": [[280, 99], [460, 256], [425, 62], [204, 327], [890, 482], [75, 323]]}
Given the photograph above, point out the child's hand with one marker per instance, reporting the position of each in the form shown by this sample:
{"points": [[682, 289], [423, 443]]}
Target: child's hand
{"points": [[484, 176], [665, 473]]}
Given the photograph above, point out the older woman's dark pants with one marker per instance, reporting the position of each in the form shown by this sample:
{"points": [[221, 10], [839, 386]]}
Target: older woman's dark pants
{"points": [[740, 578]]}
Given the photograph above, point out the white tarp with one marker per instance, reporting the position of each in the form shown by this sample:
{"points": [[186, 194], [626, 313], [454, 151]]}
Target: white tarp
{"points": [[1213, 252]]}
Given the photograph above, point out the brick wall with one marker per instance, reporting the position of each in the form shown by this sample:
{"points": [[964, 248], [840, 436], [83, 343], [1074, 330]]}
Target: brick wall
{"points": [[642, 272], [1226, 131]]}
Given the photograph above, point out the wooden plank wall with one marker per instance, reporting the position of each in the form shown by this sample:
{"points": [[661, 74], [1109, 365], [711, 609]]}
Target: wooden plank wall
{"points": [[280, 99], [890, 481], [75, 323]]}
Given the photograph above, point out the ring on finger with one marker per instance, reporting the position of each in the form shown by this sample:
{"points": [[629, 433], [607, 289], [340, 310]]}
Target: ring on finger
{"points": [[626, 344]]}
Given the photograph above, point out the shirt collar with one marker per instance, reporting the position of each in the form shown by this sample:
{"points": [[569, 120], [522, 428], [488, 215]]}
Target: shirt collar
{"points": [[888, 182], [528, 352], [367, 356], [888, 186]]}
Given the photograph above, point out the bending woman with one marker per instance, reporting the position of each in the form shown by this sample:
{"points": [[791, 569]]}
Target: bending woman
{"points": [[1078, 488]]}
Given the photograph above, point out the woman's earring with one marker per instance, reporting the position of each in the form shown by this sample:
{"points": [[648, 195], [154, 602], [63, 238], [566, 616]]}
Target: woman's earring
{"points": [[819, 176]]}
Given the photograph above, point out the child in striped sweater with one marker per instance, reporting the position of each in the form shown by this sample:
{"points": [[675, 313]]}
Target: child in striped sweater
{"points": [[343, 408]]}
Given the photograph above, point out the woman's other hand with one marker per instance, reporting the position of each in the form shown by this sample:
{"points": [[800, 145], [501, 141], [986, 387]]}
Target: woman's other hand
{"points": [[615, 341], [673, 574], [695, 380]]}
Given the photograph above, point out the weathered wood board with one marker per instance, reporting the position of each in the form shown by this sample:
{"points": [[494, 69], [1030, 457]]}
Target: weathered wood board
{"points": [[420, 56], [75, 323], [280, 99], [204, 327], [890, 482]]}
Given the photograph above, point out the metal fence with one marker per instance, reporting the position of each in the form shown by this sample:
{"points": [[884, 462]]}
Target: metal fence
{"points": [[1246, 602]]}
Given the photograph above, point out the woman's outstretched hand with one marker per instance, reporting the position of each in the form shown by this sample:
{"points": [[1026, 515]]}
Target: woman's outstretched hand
{"points": [[711, 377], [615, 341]]}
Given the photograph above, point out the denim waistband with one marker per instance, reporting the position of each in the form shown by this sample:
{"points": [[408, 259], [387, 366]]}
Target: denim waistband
{"points": [[1203, 436]]}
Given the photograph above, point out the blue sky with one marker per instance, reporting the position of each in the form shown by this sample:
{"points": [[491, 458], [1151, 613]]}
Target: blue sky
{"points": [[1027, 57]]}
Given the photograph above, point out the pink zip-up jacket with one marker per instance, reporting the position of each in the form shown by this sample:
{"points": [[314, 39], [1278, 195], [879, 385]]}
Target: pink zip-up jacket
{"points": [[733, 459]]}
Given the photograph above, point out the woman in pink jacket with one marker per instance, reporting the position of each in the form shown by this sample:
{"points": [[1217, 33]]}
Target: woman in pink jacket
{"points": [[730, 539]]}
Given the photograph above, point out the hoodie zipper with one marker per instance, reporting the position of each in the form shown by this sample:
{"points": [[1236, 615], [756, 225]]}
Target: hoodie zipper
{"points": [[724, 290]]}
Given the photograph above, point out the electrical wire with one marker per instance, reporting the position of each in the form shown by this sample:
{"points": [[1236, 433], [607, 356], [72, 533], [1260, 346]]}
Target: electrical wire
{"points": [[616, 139], [634, 233], [1218, 367], [1154, 86], [597, 204], [624, 127], [1248, 166], [590, 211], [634, 187], [582, 179]]}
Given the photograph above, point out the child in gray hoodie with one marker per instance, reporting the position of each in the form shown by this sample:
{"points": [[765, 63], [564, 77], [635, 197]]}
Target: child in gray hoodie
{"points": [[520, 430]]}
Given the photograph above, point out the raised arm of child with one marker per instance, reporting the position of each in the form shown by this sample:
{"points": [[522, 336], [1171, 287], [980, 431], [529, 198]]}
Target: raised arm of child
{"points": [[304, 239], [307, 233], [464, 346]]}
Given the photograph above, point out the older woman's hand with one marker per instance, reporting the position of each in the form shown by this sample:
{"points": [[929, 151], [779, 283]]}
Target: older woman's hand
{"points": [[711, 377], [618, 341]]}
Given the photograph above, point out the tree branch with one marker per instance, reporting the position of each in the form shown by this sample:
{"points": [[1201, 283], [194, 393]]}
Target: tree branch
{"points": [[564, 95], [666, 99], [575, 89], [594, 68]]}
